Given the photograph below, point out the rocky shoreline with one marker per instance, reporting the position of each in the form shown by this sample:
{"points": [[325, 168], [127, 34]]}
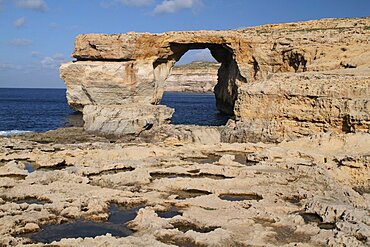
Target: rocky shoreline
{"points": [[313, 191], [291, 168]]}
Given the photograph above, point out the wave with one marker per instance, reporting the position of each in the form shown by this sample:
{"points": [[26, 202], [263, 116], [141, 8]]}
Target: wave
{"points": [[13, 132]]}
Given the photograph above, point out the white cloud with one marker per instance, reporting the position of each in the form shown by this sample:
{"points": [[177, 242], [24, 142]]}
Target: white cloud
{"points": [[35, 54], [8, 66], [135, 3], [38, 5], [172, 6], [20, 42], [20, 22], [53, 62]]}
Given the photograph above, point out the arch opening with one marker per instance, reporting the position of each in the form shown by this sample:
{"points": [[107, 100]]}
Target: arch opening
{"points": [[225, 89]]}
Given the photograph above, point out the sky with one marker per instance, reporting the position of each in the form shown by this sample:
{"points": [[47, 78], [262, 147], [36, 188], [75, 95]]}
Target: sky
{"points": [[36, 36]]}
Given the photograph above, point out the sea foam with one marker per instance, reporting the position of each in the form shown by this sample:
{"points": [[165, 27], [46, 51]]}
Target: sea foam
{"points": [[13, 132]]}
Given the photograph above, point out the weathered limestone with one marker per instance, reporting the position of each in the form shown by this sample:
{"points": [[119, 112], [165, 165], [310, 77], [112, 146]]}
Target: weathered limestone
{"points": [[313, 191], [199, 77], [289, 106], [119, 120], [132, 69]]}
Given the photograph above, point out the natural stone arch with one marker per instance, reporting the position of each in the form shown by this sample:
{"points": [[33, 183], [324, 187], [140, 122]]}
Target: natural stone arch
{"points": [[228, 74], [118, 80]]}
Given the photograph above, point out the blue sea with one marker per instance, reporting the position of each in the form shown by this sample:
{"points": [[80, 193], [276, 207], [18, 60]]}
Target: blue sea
{"points": [[39, 110]]}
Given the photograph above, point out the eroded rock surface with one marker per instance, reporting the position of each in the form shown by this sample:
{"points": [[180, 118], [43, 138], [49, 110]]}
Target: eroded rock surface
{"points": [[292, 65], [313, 191], [286, 107], [199, 77]]}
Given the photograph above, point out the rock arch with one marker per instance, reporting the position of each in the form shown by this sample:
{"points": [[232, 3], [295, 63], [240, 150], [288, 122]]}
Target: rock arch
{"points": [[125, 70], [290, 80], [228, 73]]}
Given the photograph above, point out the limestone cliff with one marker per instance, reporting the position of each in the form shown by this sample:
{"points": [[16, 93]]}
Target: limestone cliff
{"points": [[200, 77], [280, 81]]}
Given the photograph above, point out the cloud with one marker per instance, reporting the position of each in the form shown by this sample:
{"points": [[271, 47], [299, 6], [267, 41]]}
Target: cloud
{"points": [[8, 66], [172, 6], [53, 62], [134, 3], [35, 54], [20, 42], [20, 22], [38, 5]]}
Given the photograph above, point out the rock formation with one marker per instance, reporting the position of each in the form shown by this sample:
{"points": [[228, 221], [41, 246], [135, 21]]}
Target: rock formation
{"points": [[306, 65], [199, 77], [179, 185]]}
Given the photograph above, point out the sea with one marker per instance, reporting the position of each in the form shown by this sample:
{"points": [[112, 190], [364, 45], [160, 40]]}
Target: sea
{"points": [[39, 110]]}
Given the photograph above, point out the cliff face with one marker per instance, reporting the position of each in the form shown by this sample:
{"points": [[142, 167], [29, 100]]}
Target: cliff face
{"points": [[280, 81], [200, 77]]}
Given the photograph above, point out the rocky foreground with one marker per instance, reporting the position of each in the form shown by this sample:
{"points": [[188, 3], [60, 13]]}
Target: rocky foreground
{"points": [[313, 191], [291, 168]]}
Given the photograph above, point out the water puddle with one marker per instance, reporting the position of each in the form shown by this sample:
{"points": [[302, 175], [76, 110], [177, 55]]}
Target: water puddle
{"points": [[191, 193], [30, 166], [172, 212], [240, 197], [185, 226], [115, 225]]}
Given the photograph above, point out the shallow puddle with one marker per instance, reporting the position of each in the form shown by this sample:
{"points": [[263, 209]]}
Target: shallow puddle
{"points": [[240, 197], [116, 225], [185, 226], [30, 166], [172, 212], [191, 193], [120, 215]]}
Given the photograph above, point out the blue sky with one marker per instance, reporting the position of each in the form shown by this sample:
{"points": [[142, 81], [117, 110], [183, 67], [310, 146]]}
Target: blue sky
{"points": [[37, 35]]}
